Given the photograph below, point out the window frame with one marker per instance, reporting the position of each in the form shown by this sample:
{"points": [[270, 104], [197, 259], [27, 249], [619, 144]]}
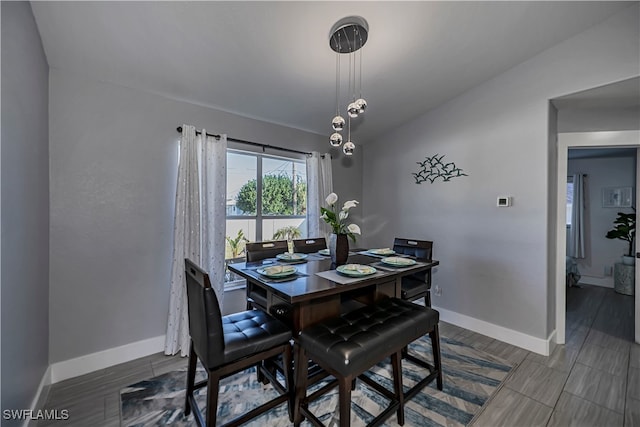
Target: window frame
{"points": [[259, 218], [569, 214]]}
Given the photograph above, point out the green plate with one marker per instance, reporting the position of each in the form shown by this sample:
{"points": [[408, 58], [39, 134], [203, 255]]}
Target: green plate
{"points": [[383, 251], [324, 252], [276, 271], [356, 270], [291, 257], [397, 261]]}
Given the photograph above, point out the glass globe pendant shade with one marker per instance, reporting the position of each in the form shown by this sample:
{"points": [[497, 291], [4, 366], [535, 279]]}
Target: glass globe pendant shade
{"points": [[335, 139], [361, 104], [353, 110], [338, 123], [348, 148]]}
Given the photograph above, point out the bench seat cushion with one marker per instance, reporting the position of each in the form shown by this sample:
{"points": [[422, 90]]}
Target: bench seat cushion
{"points": [[251, 332], [354, 342]]}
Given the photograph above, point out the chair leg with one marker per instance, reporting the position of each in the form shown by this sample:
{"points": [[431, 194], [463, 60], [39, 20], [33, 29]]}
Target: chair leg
{"points": [[288, 379], [344, 398], [396, 363], [427, 299], [259, 374], [435, 345], [213, 387], [191, 379], [301, 368]]}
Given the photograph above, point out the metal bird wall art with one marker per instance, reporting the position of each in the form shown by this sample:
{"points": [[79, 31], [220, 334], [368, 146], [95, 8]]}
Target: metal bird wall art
{"points": [[433, 168]]}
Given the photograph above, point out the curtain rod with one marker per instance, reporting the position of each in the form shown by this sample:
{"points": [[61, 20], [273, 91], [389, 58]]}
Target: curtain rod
{"points": [[255, 144]]}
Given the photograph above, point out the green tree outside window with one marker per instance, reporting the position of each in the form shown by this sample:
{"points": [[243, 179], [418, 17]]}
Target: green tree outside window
{"points": [[278, 196]]}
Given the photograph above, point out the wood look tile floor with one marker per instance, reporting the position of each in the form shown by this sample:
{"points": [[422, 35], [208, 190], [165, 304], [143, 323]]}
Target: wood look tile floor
{"points": [[593, 380]]}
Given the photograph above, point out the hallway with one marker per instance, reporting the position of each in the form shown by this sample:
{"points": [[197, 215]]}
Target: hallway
{"points": [[593, 380]]}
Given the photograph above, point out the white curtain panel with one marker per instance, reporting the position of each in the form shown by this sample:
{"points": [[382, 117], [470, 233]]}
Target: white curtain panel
{"points": [[213, 202], [199, 226], [319, 186], [575, 247]]}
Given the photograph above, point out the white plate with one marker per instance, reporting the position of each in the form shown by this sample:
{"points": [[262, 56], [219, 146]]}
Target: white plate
{"points": [[276, 271], [356, 270], [382, 251], [291, 257], [324, 252], [397, 261]]}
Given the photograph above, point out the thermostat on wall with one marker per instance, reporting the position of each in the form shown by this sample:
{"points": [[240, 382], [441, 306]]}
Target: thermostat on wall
{"points": [[504, 201]]}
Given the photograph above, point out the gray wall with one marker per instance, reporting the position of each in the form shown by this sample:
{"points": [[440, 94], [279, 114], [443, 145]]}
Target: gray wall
{"points": [[25, 208], [598, 119], [494, 261], [600, 251], [113, 179]]}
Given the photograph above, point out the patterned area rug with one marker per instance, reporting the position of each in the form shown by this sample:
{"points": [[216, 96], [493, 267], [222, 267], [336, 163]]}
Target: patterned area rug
{"points": [[471, 377]]}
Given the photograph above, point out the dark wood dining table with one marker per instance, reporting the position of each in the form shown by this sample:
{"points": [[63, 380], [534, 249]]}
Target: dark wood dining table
{"points": [[316, 292]]}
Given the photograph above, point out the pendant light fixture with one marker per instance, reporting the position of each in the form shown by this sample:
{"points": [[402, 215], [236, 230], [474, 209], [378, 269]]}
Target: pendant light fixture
{"points": [[347, 36]]}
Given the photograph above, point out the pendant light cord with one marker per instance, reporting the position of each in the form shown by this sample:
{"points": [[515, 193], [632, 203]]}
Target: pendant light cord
{"points": [[360, 83]]}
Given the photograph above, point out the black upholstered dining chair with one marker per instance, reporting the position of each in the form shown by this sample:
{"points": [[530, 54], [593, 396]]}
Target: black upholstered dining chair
{"points": [[257, 251], [229, 344], [307, 246], [417, 285]]}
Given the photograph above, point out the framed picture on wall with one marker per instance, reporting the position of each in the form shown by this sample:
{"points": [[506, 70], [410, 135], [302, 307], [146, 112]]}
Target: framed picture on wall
{"points": [[617, 197]]}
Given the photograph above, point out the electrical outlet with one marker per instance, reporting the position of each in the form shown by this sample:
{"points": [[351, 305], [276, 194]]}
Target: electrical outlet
{"points": [[437, 290], [608, 270]]}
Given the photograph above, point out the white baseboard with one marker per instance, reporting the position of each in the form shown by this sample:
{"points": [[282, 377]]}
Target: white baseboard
{"points": [[605, 282], [552, 342], [519, 339], [103, 359]]}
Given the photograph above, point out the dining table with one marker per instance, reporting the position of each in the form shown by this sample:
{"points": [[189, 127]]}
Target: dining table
{"points": [[318, 290]]}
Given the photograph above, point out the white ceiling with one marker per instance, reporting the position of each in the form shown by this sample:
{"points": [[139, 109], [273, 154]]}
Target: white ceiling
{"points": [[622, 94], [272, 61]]}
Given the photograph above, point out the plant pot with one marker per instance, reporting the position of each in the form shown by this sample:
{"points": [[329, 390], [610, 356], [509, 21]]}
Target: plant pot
{"points": [[628, 260], [339, 248]]}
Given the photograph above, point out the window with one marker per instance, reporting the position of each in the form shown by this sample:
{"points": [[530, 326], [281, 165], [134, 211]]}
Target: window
{"points": [[569, 200], [281, 184]]}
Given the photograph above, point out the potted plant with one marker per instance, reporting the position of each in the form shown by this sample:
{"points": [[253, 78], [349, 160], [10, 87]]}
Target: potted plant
{"points": [[337, 219], [237, 244], [625, 229], [289, 233], [234, 252]]}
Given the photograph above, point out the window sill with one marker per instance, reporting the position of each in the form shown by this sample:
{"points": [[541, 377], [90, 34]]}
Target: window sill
{"points": [[235, 285]]}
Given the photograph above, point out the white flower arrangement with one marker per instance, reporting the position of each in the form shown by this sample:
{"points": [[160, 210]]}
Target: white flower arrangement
{"points": [[337, 219]]}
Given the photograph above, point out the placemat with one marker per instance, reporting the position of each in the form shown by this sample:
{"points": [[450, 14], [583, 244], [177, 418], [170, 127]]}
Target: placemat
{"points": [[387, 267], [334, 276], [274, 280], [367, 253], [317, 257]]}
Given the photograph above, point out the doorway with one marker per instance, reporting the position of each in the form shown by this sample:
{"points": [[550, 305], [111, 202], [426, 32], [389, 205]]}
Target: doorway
{"points": [[628, 139]]}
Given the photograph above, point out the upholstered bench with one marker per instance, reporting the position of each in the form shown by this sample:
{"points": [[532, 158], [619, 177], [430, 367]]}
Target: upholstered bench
{"points": [[347, 346]]}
